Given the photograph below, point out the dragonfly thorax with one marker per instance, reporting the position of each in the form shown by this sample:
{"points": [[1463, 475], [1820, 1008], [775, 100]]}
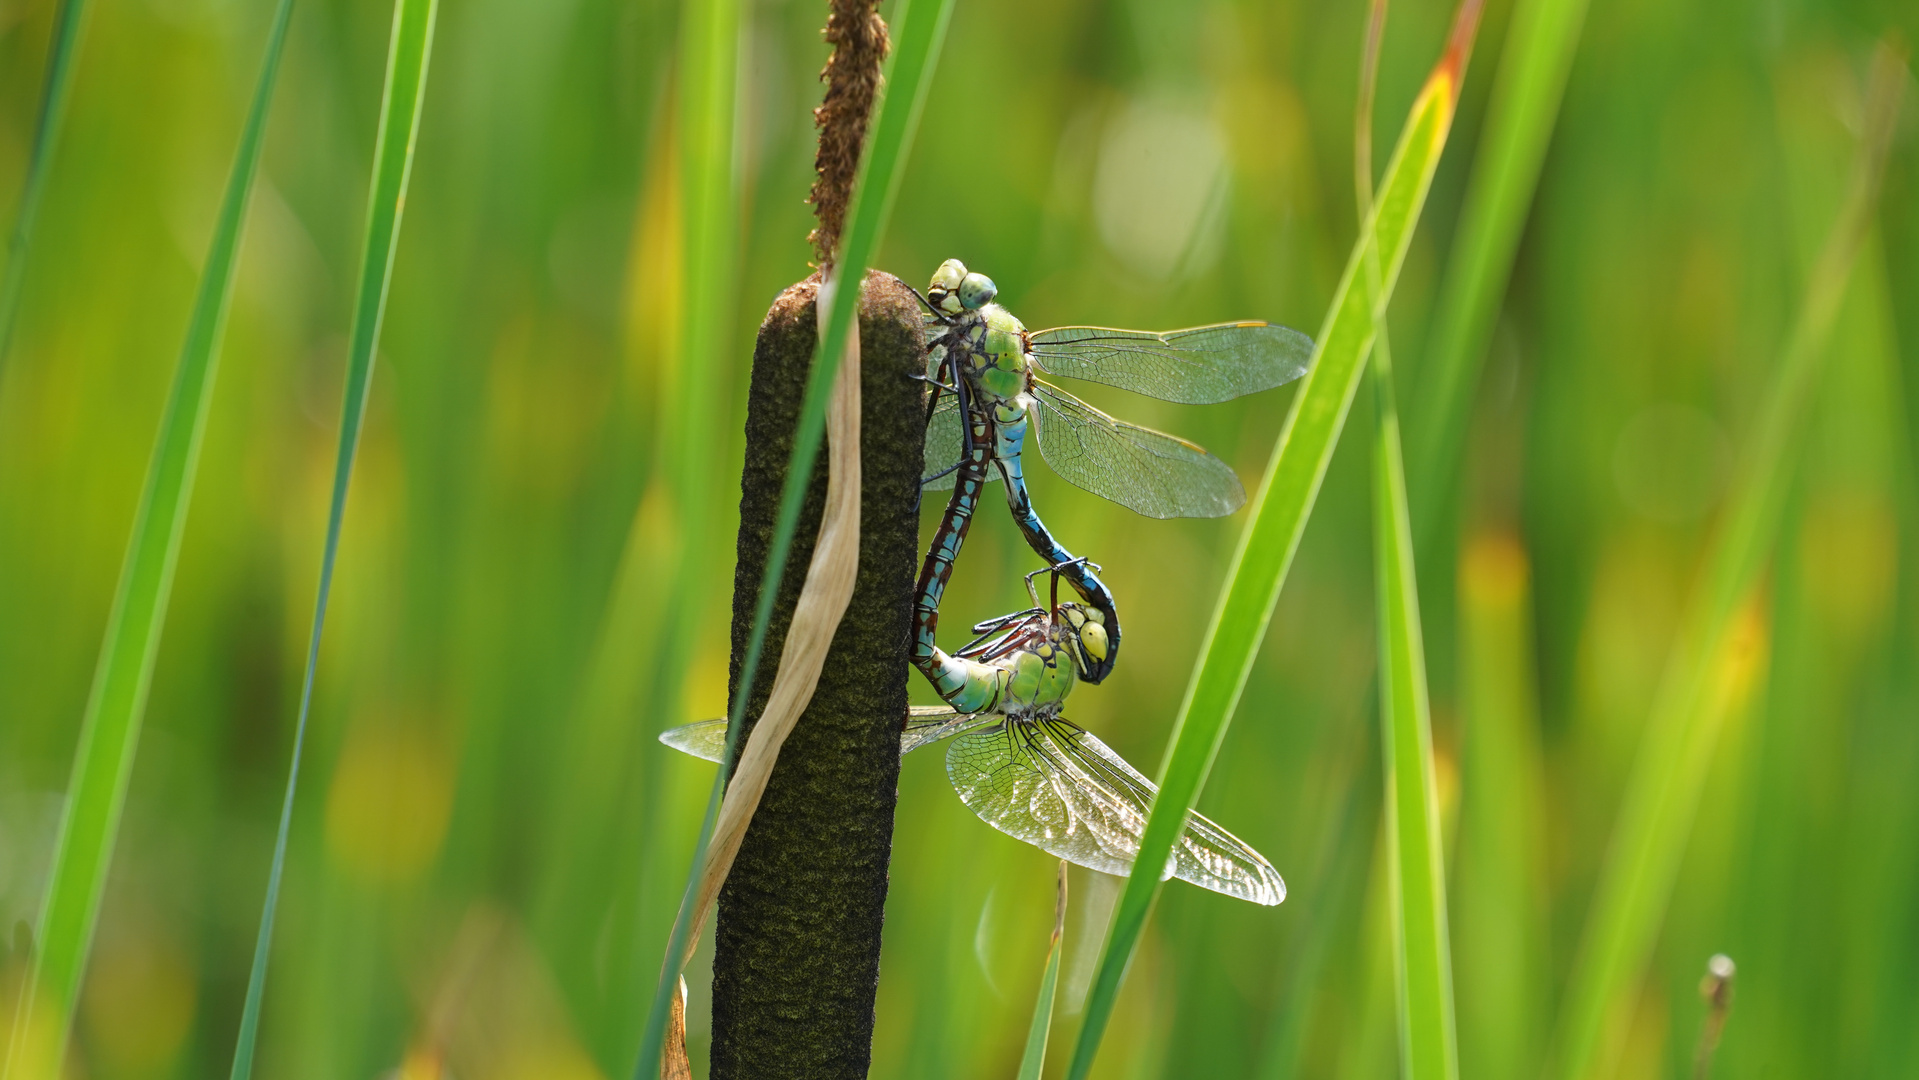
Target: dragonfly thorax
{"points": [[1023, 682], [1024, 669], [986, 349], [985, 343], [1038, 680]]}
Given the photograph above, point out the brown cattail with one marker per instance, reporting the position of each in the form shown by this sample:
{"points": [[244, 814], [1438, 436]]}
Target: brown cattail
{"points": [[852, 77]]}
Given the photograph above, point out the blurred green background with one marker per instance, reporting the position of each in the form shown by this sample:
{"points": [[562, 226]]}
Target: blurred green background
{"points": [[490, 843]]}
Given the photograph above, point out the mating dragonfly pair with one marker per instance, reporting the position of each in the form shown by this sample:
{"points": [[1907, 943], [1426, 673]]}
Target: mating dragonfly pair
{"points": [[1013, 758]]}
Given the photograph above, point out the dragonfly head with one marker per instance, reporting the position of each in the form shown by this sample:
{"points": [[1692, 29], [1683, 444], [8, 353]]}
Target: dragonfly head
{"points": [[943, 293], [955, 291], [1083, 631]]}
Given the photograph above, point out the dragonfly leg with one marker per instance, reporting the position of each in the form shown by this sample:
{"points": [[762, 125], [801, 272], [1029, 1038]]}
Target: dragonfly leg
{"points": [[966, 413], [995, 624], [1056, 570], [995, 634], [1035, 593], [931, 404], [935, 382], [944, 318], [966, 430], [950, 468]]}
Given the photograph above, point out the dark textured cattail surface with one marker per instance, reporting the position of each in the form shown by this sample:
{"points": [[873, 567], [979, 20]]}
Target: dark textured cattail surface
{"points": [[796, 954], [852, 77]]}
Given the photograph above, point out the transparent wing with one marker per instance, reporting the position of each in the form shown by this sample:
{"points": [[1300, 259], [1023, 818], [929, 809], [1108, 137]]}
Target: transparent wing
{"points": [[1151, 472], [1054, 785], [928, 724], [701, 738], [925, 725], [1198, 366], [944, 445]]}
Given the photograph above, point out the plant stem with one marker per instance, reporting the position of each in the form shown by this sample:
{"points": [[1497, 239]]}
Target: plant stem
{"points": [[796, 953]]}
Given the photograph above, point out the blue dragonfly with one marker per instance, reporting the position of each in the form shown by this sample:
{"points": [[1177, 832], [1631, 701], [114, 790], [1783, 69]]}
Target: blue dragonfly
{"points": [[987, 392]]}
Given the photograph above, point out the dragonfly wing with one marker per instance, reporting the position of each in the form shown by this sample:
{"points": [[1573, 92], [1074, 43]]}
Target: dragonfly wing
{"points": [[1206, 855], [1151, 472], [944, 445], [701, 738], [928, 724], [1212, 858], [1034, 781], [1056, 786], [1199, 366]]}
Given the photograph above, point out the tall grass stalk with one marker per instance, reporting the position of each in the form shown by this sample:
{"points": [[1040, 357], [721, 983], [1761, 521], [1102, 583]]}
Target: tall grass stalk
{"points": [[1416, 880], [1032, 1063], [110, 728], [68, 20], [1278, 515], [709, 286], [406, 69], [1422, 960], [908, 77], [709, 59], [1422, 952], [1662, 794], [1531, 80], [1499, 872], [685, 260]]}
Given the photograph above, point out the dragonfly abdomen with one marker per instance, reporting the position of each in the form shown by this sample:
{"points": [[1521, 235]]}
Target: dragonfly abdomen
{"points": [[1010, 426], [937, 569]]}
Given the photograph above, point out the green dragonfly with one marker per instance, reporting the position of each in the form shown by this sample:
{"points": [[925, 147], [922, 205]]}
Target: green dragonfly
{"points": [[1029, 772], [984, 369], [1153, 473]]}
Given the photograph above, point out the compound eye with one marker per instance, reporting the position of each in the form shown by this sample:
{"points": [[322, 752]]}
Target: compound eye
{"points": [[1092, 639], [976, 291], [1074, 614]]}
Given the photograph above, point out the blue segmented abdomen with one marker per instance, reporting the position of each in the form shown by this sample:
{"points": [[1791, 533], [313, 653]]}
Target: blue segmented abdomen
{"points": [[1011, 422], [964, 684]]}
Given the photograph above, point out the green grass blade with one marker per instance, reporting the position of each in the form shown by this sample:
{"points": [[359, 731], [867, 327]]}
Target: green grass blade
{"points": [[110, 728], [709, 245], [1278, 517], [57, 84], [1033, 1062], [1500, 882], [1416, 878], [399, 129], [1531, 79], [919, 31], [1662, 794], [709, 71], [1428, 1044]]}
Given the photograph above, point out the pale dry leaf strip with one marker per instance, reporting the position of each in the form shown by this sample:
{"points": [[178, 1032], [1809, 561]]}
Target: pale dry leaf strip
{"points": [[822, 602], [674, 1064]]}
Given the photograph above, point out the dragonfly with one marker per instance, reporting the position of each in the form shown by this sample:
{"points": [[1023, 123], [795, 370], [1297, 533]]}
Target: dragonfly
{"points": [[985, 369], [1029, 772]]}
